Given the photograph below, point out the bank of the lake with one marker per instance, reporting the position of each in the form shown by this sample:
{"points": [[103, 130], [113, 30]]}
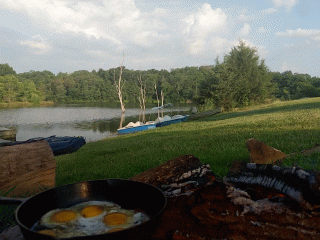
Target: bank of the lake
{"points": [[25, 104], [217, 140], [94, 121]]}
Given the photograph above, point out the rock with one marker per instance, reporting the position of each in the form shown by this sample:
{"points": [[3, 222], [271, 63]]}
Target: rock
{"points": [[262, 153]]}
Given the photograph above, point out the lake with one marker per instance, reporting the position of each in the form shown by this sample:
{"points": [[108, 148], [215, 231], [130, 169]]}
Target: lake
{"points": [[94, 121]]}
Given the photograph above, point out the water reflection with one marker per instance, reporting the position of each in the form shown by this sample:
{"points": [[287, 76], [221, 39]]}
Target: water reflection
{"points": [[94, 123]]}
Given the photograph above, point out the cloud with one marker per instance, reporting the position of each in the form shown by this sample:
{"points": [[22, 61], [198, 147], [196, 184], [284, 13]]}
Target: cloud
{"points": [[261, 50], [39, 44], [118, 21], [221, 45], [245, 30], [247, 15], [285, 3], [96, 53], [306, 33], [206, 20], [202, 24]]}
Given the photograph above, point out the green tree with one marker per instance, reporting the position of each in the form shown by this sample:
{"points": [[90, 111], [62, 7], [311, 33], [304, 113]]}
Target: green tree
{"points": [[5, 69], [107, 92], [9, 86], [252, 79], [208, 86], [295, 86], [41, 79], [26, 90], [241, 79], [57, 88]]}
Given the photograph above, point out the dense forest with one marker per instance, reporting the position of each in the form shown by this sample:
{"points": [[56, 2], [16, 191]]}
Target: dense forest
{"points": [[241, 79]]}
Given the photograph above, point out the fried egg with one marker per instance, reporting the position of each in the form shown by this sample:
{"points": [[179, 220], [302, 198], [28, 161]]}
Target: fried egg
{"points": [[119, 219], [59, 217], [89, 218], [94, 208], [115, 218], [91, 215]]}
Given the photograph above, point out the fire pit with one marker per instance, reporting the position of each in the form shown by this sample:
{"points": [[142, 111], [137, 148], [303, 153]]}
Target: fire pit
{"points": [[254, 201]]}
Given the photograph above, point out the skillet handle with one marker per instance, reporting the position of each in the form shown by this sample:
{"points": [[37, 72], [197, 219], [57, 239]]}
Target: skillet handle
{"points": [[12, 201]]}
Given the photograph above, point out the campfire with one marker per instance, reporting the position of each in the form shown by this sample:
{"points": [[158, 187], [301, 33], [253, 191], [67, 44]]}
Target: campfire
{"points": [[254, 201]]}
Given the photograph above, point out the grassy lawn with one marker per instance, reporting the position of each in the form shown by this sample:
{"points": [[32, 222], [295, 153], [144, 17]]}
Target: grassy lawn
{"points": [[217, 140]]}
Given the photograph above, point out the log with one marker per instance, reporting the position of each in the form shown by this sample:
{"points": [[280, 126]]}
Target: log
{"points": [[28, 168]]}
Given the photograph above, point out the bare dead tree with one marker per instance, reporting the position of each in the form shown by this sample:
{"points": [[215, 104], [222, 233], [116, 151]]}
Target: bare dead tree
{"points": [[162, 101], [119, 86], [155, 87], [142, 98]]}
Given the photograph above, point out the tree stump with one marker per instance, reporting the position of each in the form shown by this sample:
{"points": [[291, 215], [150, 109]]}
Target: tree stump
{"points": [[28, 168]]}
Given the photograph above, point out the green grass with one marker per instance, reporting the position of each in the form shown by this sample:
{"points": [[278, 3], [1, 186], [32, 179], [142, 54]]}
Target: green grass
{"points": [[217, 140], [6, 212]]}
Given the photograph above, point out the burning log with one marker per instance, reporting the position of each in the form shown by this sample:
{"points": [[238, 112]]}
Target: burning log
{"points": [[254, 202], [295, 182], [179, 176]]}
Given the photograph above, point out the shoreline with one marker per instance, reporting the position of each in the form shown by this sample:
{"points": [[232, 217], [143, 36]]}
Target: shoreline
{"points": [[26, 104]]}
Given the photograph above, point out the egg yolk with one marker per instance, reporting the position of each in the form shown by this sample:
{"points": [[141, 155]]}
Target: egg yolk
{"points": [[115, 218], [63, 216], [91, 211], [48, 232]]}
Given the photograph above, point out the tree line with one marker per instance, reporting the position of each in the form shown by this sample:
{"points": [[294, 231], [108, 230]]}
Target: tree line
{"points": [[241, 79]]}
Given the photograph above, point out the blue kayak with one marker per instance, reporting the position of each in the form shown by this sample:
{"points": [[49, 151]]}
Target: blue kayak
{"points": [[59, 145], [136, 129]]}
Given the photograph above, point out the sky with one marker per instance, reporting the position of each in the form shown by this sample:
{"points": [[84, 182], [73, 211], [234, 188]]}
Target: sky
{"points": [[72, 35]]}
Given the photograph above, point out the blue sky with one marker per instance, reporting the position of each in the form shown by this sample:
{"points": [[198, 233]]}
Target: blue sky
{"points": [[71, 35]]}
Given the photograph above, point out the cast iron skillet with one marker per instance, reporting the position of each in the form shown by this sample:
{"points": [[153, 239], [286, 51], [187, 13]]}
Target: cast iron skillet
{"points": [[128, 194]]}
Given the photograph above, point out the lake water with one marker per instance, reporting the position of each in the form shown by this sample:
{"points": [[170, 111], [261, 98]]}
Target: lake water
{"points": [[94, 121]]}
